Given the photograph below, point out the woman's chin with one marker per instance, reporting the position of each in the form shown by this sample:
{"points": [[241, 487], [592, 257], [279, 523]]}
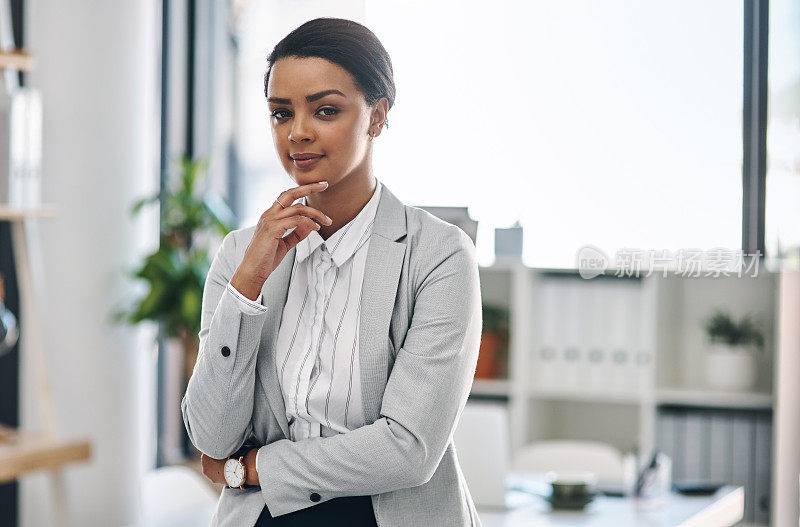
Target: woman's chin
{"points": [[307, 178]]}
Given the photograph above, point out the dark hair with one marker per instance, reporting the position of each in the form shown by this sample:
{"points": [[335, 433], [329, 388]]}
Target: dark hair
{"points": [[346, 43]]}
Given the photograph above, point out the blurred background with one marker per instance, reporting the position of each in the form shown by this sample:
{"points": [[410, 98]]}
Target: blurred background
{"points": [[628, 171]]}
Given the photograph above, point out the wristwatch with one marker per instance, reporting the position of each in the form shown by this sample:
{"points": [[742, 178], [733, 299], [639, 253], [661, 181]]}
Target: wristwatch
{"points": [[235, 472], [235, 466]]}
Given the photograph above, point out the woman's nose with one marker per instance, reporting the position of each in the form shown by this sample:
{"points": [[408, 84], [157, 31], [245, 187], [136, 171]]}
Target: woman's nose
{"points": [[300, 131]]}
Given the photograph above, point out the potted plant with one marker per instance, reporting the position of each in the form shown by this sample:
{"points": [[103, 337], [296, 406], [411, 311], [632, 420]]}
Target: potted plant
{"points": [[493, 352], [177, 270], [731, 361]]}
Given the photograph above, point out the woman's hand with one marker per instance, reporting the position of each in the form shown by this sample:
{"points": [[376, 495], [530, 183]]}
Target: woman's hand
{"points": [[213, 469], [269, 246]]}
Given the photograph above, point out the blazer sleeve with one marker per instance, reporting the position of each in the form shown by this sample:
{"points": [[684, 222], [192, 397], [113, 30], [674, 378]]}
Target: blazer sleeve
{"points": [[218, 405], [424, 396]]}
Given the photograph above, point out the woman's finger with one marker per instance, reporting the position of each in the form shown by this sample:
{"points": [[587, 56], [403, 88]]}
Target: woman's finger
{"points": [[296, 236], [304, 210], [306, 224], [287, 197]]}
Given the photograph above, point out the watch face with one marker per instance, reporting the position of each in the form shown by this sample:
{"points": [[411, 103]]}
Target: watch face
{"points": [[234, 473]]}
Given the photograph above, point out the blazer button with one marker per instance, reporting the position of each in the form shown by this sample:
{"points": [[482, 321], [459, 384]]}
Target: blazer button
{"points": [[226, 351], [315, 497]]}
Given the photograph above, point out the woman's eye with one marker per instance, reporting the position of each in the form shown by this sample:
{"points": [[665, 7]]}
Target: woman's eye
{"points": [[279, 114]]}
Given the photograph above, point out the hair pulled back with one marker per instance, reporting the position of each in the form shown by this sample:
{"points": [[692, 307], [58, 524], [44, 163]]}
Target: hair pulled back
{"points": [[346, 43]]}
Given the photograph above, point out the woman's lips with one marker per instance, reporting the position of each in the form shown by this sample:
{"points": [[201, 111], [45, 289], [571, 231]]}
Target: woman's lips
{"points": [[306, 163]]}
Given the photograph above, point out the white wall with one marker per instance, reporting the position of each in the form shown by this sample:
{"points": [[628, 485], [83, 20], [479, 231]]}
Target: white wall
{"points": [[97, 70]]}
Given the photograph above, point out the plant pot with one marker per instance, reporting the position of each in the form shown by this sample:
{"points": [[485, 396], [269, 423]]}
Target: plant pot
{"points": [[731, 367], [489, 355]]}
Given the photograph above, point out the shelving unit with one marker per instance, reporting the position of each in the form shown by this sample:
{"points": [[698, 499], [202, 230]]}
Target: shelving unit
{"points": [[643, 338], [24, 451], [659, 329]]}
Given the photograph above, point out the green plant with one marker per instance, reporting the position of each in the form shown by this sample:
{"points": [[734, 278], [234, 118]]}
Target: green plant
{"points": [[721, 327], [177, 271]]}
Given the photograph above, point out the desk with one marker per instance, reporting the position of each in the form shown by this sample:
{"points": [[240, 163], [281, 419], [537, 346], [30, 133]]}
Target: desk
{"points": [[724, 508]]}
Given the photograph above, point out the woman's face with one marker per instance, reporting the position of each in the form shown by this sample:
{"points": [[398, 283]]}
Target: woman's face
{"points": [[334, 123]]}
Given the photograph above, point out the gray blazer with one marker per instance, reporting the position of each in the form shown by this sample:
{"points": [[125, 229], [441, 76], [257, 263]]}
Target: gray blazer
{"points": [[419, 335]]}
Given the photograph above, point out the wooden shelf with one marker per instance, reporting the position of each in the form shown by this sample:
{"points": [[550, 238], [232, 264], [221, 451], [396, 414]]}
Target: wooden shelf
{"points": [[24, 452], [18, 213], [17, 59]]}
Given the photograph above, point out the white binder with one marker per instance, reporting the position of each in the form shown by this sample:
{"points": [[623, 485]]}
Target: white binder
{"points": [[20, 147]]}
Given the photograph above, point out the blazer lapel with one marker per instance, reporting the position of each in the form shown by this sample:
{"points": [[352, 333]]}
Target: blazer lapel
{"points": [[275, 292], [381, 276]]}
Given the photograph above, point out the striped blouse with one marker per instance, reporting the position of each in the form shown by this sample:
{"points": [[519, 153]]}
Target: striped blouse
{"points": [[317, 347]]}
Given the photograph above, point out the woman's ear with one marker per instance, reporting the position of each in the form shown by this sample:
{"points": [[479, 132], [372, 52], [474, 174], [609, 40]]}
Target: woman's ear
{"points": [[379, 114]]}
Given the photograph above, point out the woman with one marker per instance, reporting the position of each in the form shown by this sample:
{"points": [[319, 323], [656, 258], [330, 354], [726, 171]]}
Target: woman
{"points": [[335, 360]]}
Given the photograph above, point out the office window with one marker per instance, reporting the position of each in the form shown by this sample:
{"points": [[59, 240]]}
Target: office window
{"points": [[611, 123], [782, 236]]}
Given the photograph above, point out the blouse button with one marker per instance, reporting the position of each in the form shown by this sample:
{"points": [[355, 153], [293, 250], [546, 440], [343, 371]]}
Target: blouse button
{"points": [[315, 497], [226, 351]]}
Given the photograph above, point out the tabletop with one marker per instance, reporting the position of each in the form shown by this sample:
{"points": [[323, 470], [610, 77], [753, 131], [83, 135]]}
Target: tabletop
{"points": [[724, 508]]}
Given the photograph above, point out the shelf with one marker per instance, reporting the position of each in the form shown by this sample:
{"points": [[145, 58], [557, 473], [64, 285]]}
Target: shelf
{"points": [[18, 213], [702, 398], [17, 59], [586, 395], [495, 387], [490, 387], [24, 452], [715, 399]]}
